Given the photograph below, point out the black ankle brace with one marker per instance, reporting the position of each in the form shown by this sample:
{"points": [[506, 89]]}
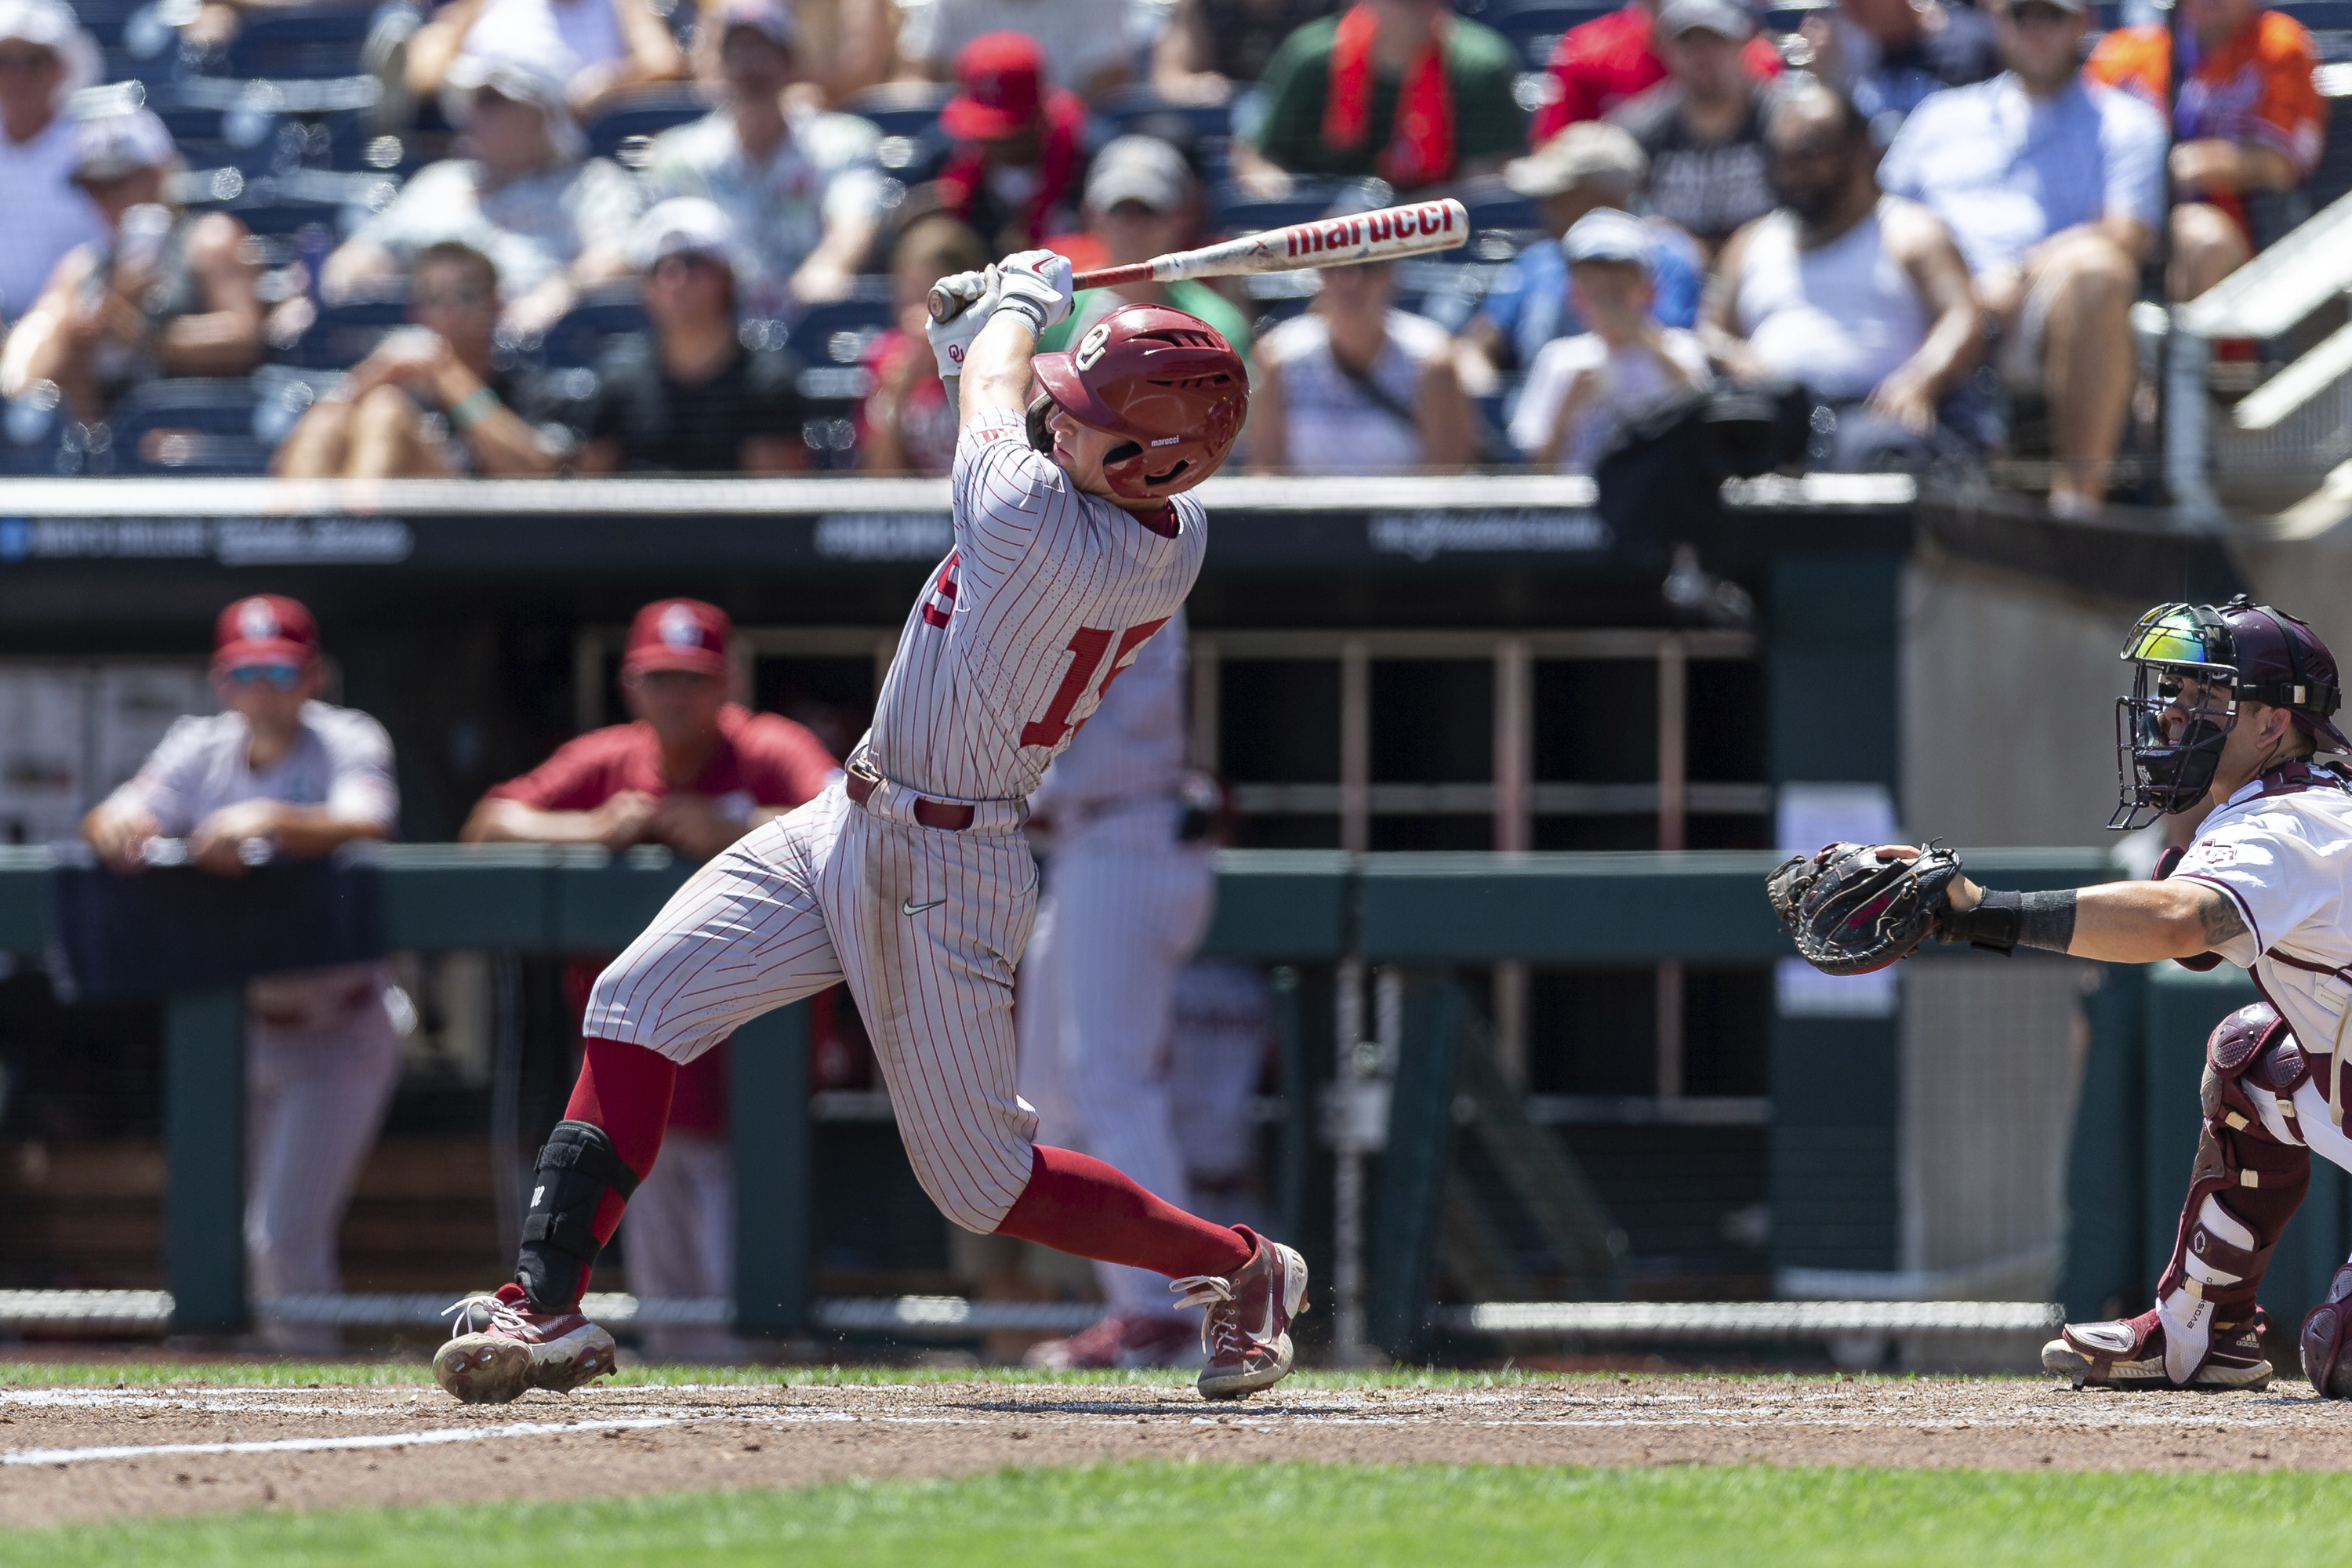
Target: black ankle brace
{"points": [[575, 1168]]}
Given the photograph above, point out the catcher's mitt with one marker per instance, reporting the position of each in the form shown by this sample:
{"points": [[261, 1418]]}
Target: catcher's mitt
{"points": [[1851, 912]]}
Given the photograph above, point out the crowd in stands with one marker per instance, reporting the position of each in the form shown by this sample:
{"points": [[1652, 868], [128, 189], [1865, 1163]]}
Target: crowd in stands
{"points": [[590, 236]]}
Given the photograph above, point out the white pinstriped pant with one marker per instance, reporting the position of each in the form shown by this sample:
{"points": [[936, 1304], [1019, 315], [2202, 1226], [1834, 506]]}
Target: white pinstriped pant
{"points": [[314, 1098], [1125, 906], [823, 895]]}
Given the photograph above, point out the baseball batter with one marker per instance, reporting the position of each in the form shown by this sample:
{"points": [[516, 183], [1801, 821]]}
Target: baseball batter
{"points": [[909, 878], [1128, 887], [2230, 707]]}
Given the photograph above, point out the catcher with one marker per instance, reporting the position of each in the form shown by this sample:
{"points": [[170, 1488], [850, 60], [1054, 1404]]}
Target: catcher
{"points": [[2230, 708]]}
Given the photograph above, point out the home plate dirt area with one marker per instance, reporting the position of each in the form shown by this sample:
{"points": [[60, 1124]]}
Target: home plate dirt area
{"points": [[98, 1453]]}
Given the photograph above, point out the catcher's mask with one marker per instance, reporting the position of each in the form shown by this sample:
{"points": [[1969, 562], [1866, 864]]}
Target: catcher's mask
{"points": [[2192, 665]]}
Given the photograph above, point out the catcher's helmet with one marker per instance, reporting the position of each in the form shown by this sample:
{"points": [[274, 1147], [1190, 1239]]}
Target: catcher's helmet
{"points": [[2204, 661], [1168, 382]]}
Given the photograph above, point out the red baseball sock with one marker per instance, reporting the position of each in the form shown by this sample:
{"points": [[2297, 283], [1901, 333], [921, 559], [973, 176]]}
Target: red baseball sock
{"points": [[625, 1091], [1074, 1203]]}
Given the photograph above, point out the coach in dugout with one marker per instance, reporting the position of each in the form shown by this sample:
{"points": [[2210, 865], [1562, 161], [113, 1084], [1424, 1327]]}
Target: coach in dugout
{"points": [[282, 773], [694, 770]]}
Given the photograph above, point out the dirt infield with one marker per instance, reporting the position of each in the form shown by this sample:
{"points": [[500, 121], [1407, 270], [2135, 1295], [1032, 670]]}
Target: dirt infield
{"points": [[81, 1453]]}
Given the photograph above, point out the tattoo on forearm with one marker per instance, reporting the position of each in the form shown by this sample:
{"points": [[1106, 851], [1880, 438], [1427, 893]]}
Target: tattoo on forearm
{"points": [[2222, 922]]}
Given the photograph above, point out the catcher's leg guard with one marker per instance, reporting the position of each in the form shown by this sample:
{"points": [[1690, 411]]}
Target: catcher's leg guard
{"points": [[576, 1168], [2251, 1173]]}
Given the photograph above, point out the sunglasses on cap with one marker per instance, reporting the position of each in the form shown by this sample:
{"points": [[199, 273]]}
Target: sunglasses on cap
{"points": [[277, 677]]}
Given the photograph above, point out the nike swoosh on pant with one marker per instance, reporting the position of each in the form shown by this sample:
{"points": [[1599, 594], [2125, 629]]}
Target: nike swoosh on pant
{"points": [[909, 907]]}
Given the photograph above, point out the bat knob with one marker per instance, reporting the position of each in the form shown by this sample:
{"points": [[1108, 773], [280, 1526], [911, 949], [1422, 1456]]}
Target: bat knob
{"points": [[944, 306]]}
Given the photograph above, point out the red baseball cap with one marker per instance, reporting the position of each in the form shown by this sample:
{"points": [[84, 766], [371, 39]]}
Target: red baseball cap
{"points": [[1003, 78], [268, 628], [678, 634]]}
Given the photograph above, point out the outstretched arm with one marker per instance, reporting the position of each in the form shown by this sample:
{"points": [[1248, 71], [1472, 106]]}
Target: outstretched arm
{"points": [[2120, 923]]}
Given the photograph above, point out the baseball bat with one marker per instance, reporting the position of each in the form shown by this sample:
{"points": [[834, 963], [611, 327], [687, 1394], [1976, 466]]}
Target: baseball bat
{"points": [[1414, 228]]}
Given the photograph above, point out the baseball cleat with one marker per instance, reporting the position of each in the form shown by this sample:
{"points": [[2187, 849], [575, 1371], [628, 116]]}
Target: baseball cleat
{"points": [[1248, 1331], [2128, 1352], [1121, 1341], [501, 1345]]}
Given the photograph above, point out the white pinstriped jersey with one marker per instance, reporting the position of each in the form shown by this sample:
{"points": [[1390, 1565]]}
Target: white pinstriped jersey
{"points": [[1046, 596], [1133, 748]]}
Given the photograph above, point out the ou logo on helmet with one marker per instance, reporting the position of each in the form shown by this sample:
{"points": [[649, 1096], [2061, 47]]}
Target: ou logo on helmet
{"points": [[1092, 347]]}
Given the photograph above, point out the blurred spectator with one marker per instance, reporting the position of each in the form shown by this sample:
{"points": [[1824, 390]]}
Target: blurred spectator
{"points": [[1589, 165], [694, 771], [1356, 385], [1212, 49], [1084, 47], [2250, 119], [44, 58], [1140, 203], [594, 49], [906, 425], [430, 402], [166, 295], [279, 771], [1402, 90], [2053, 186], [1581, 388], [840, 47], [799, 182], [1612, 59], [553, 223], [1019, 149], [1887, 55], [694, 399], [1861, 298], [1703, 127]]}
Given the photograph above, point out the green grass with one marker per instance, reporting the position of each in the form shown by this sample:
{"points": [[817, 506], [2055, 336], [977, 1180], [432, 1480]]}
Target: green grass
{"points": [[1359, 1517]]}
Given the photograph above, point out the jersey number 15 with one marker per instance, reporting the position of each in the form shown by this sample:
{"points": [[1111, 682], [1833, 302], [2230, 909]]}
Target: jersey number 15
{"points": [[1090, 649]]}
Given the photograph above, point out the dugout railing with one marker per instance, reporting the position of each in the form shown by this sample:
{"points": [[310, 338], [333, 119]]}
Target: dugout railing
{"points": [[1383, 934]]}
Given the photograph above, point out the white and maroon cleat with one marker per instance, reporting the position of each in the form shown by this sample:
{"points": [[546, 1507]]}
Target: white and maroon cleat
{"points": [[2128, 1352], [1121, 1341], [1247, 1330], [501, 1345]]}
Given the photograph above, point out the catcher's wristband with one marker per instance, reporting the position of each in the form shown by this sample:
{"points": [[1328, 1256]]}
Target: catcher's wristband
{"points": [[2003, 922]]}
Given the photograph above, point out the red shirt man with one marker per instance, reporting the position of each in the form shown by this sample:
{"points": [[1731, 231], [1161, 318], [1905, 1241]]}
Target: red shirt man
{"points": [[693, 771], [1599, 64], [1014, 174]]}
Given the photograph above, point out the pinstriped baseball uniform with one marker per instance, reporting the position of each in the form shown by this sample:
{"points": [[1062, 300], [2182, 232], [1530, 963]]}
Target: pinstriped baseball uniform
{"points": [[1046, 595], [322, 1051], [1125, 906]]}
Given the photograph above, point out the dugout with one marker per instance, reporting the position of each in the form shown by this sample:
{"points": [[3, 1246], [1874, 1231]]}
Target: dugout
{"points": [[1408, 664]]}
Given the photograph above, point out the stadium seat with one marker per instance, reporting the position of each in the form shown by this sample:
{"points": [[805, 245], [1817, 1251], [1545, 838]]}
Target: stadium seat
{"points": [[1241, 213], [345, 333], [575, 341], [1124, 107], [300, 45], [190, 426], [1535, 28], [902, 108], [643, 115]]}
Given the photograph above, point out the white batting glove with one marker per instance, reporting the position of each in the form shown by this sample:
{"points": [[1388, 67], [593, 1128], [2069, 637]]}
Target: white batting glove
{"points": [[952, 339], [1036, 283]]}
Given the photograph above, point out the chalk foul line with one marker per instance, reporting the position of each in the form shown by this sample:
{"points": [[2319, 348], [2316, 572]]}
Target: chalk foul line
{"points": [[318, 1444]]}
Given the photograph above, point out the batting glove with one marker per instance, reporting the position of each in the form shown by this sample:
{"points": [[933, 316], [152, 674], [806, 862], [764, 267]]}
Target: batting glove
{"points": [[1036, 283], [952, 339]]}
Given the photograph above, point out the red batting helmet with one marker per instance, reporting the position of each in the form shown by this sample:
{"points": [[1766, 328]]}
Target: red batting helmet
{"points": [[1168, 382]]}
